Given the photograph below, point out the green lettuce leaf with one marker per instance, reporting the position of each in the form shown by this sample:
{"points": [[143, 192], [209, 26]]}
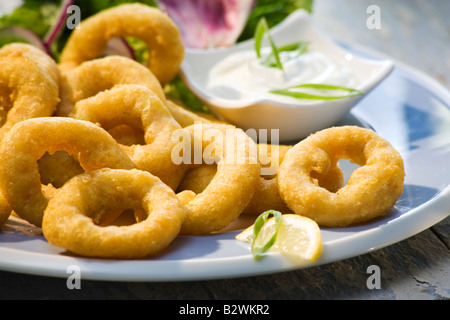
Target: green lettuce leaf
{"points": [[34, 15], [274, 11]]}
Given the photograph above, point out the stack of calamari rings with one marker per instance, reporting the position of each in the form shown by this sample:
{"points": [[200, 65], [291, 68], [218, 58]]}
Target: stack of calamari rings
{"points": [[90, 139]]}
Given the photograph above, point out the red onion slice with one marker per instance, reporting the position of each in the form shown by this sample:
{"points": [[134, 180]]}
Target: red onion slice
{"points": [[59, 24], [25, 34], [208, 23], [119, 46]]}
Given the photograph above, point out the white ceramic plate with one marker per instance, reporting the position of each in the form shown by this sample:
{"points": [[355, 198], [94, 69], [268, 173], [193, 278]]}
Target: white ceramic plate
{"points": [[409, 109]]}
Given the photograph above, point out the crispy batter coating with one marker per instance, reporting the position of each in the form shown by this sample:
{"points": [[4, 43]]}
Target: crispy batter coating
{"points": [[92, 77], [19, 101], [27, 142], [35, 54], [71, 215], [234, 184], [155, 28], [139, 108], [266, 196], [27, 91], [371, 190]]}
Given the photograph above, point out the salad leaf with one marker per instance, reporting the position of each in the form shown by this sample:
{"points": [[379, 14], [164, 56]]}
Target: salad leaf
{"points": [[177, 90], [39, 16], [34, 15], [208, 23], [274, 11]]}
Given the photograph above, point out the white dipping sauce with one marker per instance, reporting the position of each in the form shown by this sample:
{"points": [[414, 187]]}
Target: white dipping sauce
{"points": [[242, 76]]}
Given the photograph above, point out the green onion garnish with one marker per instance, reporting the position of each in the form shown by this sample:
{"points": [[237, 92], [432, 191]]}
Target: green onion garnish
{"points": [[261, 29], [297, 47], [302, 95], [258, 251], [273, 60]]}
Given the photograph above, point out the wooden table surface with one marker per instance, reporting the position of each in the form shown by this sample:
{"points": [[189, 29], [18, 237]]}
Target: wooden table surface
{"points": [[415, 32]]}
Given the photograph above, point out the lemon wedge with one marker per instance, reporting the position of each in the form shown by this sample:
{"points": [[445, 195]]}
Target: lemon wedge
{"points": [[297, 236]]}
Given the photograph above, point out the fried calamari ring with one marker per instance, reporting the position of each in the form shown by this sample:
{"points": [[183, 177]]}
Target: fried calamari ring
{"points": [[70, 220], [127, 135], [27, 91], [27, 142], [371, 190], [95, 76], [35, 54], [139, 108], [50, 169], [234, 184], [266, 196], [155, 28]]}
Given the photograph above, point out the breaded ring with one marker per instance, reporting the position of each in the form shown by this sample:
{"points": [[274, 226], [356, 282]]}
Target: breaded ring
{"points": [[27, 142], [266, 196], [139, 108], [27, 91], [92, 77], [234, 184], [71, 217], [155, 28], [35, 54], [371, 190]]}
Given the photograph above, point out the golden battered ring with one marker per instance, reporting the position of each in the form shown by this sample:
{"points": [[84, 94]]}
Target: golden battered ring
{"points": [[155, 28], [232, 187], [371, 190], [94, 76], [35, 54], [140, 109], [71, 215], [27, 142], [27, 91], [266, 196]]}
